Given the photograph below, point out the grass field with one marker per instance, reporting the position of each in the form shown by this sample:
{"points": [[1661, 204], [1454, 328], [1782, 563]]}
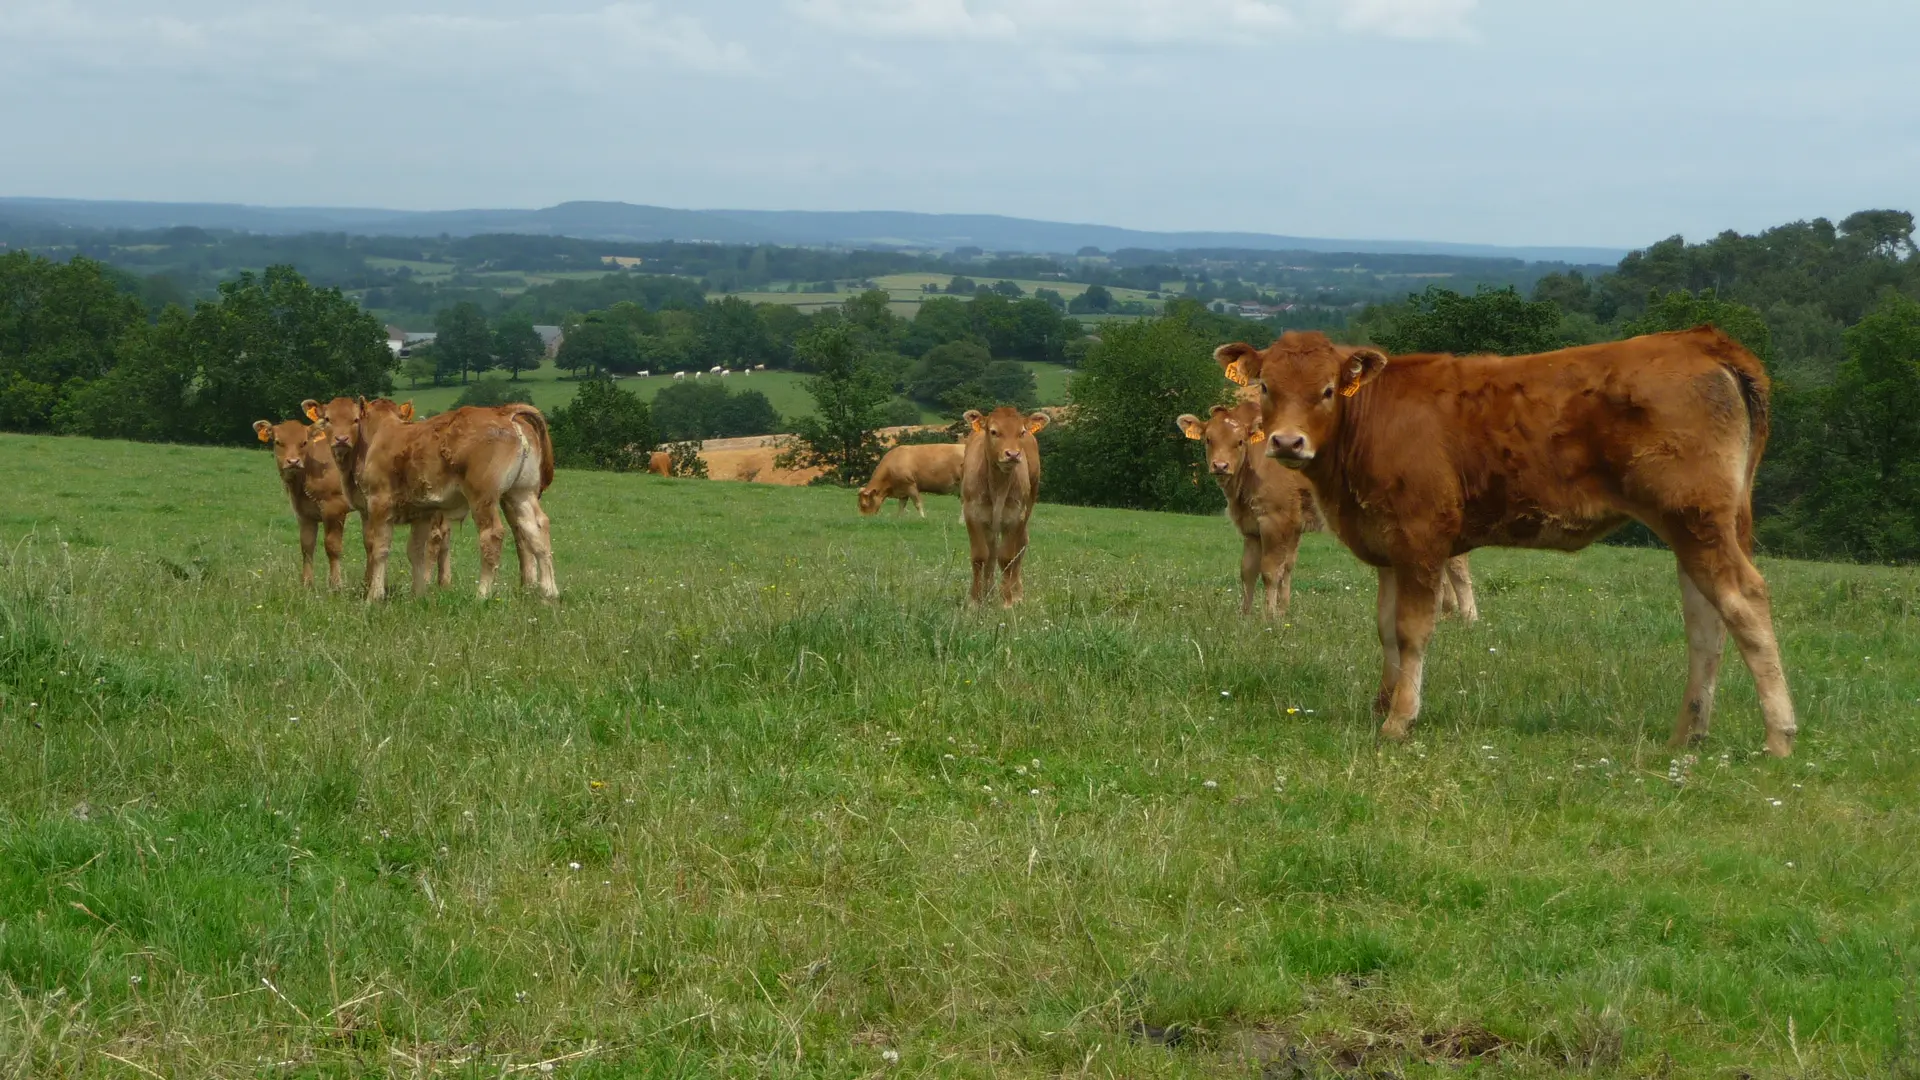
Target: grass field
{"points": [[550, 389], [758, 798]]}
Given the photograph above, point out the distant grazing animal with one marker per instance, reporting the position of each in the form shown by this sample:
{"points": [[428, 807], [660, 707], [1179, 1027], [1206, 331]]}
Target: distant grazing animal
{"points": [[715, 369], [1000, 482], [1419, 458], [907, 472], [660, 463], [480, 460], [759, 367], [643, 374], [679, 374]]}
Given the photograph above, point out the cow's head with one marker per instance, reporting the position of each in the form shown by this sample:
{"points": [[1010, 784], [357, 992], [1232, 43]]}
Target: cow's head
{"points": [[871, 500], [1227, 432], [1305, 383], [1005, 431], [344, 419], [289, 439]]}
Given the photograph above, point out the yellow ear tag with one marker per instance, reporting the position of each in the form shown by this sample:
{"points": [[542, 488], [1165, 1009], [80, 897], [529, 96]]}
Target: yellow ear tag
{"points": [[1256, 435], [1235, 373], [1350, 390]]}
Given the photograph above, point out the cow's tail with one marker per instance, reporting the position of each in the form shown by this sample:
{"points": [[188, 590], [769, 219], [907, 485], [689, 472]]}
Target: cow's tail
{"points": [[538, 422], [1756, 393]]}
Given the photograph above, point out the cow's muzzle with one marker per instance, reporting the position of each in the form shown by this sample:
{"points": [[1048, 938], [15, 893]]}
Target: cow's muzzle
{"points": [[1293, 451], [1221, 468]]}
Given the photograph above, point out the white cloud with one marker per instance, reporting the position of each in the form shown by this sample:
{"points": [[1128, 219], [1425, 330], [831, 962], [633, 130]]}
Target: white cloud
{"points": [[1056, 22], [292, 40], [1408, 18], [1091, 24]]}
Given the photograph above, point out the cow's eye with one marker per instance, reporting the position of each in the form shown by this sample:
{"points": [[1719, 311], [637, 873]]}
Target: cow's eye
{"points": [[1328, 393]]}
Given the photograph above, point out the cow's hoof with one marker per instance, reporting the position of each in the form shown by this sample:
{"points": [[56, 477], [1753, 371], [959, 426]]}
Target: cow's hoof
{"points": [[1396, 730]]}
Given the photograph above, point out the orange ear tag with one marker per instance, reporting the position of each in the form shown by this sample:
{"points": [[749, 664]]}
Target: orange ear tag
{"points": [[1351, 390]]}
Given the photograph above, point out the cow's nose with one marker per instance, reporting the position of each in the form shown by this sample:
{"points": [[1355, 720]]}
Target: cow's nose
{"points": [[1013, 455], [1219, 466]]}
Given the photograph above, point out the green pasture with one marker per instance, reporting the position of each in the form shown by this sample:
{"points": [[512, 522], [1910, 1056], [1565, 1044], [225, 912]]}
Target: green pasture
{"points": [[759, 797]]}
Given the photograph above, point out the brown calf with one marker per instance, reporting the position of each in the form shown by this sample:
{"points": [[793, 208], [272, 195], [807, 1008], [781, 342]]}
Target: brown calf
{"points": [[999, 483], [660, 463], [1423, 457], [908, 471], [313, 486], [478, 460]]}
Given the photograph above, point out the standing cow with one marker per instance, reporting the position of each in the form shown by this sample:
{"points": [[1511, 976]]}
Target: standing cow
{"points": [[909, 471], [480, 460], [313, 486], [999, 483], [1420, 458]]}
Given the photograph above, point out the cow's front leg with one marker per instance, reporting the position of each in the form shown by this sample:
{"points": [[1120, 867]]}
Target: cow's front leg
{"points": [[420, 555], [376, 528], [1386, 615], [309, 531], [1416, 594]]}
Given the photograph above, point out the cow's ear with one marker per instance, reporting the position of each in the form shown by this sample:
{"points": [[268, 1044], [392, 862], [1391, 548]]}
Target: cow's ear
{"points": [[1191, 427], [974, 420], [1239, 360], [1256, 436], [311, 408], [1360, 367], [406, 411], [1036, 422], [263, 430]]}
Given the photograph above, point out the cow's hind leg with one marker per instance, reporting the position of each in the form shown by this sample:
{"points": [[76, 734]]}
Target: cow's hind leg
{"points": [[919, 503], [442, 550], [1386, 607], [1249, 571], [1417, 592], [420, 555], [1706, 641], [336, 541], [533, 540], [309, 530], [1723, 573], [1013, 552], [493, 536], [376, 529], [1460, 581], [1278, 550]]}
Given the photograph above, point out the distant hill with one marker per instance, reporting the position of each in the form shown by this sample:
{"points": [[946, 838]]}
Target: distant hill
{"points": [[630, 222]]}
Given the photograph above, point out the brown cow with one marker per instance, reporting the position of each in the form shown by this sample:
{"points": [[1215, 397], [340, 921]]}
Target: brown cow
{"points": [[313, 486], [479, 460], [1425, 457], [660, 463], [999, 483], [908, 471]]}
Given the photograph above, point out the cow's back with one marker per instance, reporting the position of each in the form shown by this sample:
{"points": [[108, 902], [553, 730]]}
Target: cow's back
{"points": [[933, 468]]}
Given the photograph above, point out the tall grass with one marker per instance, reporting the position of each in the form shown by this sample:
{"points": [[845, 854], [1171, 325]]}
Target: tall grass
{"points": [[758, 797]]}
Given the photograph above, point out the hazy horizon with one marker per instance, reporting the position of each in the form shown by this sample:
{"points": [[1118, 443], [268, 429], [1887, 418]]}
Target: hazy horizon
{"points": [[1495, 122]]}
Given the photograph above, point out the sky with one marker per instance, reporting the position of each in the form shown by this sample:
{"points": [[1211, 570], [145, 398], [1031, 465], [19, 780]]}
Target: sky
{"points": [[1601, 122]]}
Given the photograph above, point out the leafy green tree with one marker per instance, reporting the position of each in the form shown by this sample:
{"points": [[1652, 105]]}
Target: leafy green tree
{"points": [[62, 326], [1570, 291], [1119, 447], [708, 410], [899, 412], [1008, 382], [1095, 300], [1681, 310], [419, 366], [1490, 321], [1864, 460], [490, 390], [516, 345], [947, 367], [462, 342], [1009, 289], [1052, 298], [732, 334], [603, 427], [848, 396], [598, 348], [962, 286], [684, 460], [940, 321]]}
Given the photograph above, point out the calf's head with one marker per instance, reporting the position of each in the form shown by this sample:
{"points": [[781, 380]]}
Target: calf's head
{"points": [[344, 420], [1306, 383], [1227, 433], [871, 499], [1005, 431], [289, 439]]}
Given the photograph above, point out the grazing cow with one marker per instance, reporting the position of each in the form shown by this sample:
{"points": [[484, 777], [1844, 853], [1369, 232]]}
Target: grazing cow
{"points": [[999, 483], [1423, 457], [643, 374], [759, 367], [660, 463], [907, 472], [478, 460], [313, 485], [679, 374], [714, 369]]}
